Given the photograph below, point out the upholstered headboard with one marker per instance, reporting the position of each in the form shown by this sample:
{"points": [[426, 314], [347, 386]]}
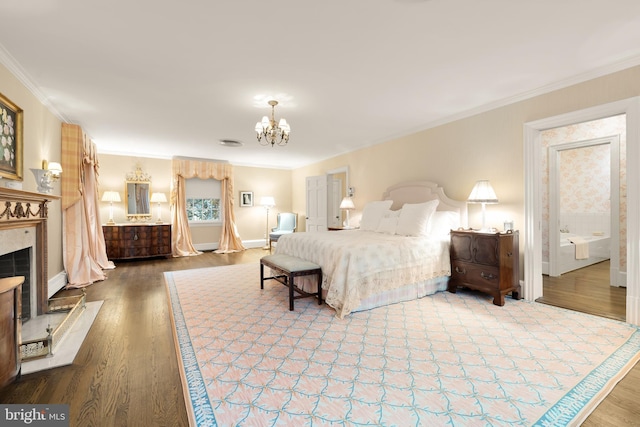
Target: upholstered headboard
{"points": [[423, 191]]}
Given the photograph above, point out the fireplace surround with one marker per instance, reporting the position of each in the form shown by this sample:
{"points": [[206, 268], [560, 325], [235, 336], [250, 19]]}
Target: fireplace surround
{"points": [[23, 213]]}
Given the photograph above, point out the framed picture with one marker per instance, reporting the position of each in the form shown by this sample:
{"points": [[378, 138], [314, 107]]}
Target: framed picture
{"points": [[10, 139], [246, 199]]}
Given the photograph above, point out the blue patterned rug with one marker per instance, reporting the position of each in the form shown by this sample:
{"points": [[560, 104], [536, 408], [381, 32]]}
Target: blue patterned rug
{"points": [[447, 359]]}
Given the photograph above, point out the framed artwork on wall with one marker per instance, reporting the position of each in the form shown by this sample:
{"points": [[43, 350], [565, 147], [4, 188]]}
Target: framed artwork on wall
{"points": [[10, 139], [246, 199]]}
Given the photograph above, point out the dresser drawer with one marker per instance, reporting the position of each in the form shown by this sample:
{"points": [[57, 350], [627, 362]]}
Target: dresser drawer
{"points": [[475, 275], [137, 241]]}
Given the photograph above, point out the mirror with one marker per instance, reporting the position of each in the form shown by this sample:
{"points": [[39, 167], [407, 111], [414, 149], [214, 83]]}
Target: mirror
{"points": [[137, 193]]}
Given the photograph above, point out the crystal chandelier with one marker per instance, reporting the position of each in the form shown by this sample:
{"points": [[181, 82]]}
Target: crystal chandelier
{"points": [[268, 132]]}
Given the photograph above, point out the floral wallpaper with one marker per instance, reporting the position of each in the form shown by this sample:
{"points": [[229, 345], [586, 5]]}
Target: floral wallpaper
{"points": [[585, 180], [590, 195]]}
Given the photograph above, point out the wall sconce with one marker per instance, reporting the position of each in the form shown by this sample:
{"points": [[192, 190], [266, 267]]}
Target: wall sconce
{"points": [[49, 173], [111, 196], [350, 192], [347, 205], [158, 198]]}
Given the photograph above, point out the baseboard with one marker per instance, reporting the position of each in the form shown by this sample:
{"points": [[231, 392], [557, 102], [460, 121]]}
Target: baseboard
{"points": [[633, 309], [56, 283], [249, 244]]}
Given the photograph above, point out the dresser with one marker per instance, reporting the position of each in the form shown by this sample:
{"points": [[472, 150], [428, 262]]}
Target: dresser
{"points": [[10, 312], [487, 262], [129, 241]]}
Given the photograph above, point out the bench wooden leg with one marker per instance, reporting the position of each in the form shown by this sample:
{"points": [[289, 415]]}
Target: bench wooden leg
{"points": [[320, 288], [261, 276], [290, 282]]}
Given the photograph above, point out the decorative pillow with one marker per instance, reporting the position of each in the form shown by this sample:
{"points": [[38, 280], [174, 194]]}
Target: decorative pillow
{"points": [[414, 218], [388, 224], [373, 213], [442, 222]]}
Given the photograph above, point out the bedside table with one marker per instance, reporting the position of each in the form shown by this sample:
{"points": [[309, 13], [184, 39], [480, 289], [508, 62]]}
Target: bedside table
{"points": [[487, 262]]}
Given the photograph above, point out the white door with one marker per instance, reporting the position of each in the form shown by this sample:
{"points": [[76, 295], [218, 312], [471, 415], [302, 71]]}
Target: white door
{"points": [[316, 219], [335, 197]]}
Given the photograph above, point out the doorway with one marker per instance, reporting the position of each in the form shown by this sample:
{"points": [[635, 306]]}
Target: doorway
{"points": [[533, 278], [584, 201]]}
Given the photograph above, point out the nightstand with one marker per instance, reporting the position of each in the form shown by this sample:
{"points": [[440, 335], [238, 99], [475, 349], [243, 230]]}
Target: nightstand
{"points": [[487, 262]]}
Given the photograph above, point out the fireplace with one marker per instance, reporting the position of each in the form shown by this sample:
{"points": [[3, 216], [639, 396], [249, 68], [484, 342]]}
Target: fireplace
{"points": [[23, 225], [18, 263]]}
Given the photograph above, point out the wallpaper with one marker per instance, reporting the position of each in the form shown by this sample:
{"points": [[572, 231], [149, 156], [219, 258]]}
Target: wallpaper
{"points": [[586, 171]]}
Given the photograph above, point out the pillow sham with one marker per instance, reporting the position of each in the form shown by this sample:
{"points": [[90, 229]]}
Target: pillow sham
{"points": [[388, 224], [373, 213], [442, 222], [414, 218]]}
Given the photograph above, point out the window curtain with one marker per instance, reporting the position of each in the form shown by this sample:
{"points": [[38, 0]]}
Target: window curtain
{"points": [[84, 250], [183, 169]]}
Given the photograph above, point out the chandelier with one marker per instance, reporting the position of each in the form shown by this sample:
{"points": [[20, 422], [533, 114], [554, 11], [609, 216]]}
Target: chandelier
{"points": [[268, 132]]}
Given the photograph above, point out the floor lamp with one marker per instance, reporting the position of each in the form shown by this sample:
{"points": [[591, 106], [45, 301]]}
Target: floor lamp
{"points": [[268, 202], [483, 193]]}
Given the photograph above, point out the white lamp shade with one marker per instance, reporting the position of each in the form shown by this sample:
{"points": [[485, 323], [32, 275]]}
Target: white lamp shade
{"points": [[267, 201], [111, 196], [482, 193], [347, 203], [158, 198], [55, 168]]}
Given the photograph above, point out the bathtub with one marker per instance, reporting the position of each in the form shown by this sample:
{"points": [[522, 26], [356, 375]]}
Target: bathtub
{"points": [[599, 247]]}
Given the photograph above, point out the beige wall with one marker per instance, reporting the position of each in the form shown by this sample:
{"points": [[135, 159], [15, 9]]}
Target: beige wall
{"points": [[251, 221], [113, 171], [488, 145], [41, 140], [485, 146]]}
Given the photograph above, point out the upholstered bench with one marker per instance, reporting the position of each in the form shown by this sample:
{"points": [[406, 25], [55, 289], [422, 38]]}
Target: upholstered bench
{"points": [[286, 268]]}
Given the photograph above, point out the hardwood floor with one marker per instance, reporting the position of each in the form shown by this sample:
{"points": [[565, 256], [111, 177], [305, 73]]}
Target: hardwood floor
{"points": [[126, 373], [586, 290]]}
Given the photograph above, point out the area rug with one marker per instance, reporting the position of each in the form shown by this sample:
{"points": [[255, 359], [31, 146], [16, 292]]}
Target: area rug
{"points": [[446, 359]]}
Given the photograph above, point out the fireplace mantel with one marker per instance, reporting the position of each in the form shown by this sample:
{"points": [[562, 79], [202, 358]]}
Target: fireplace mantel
{"points": [[20, 209]]}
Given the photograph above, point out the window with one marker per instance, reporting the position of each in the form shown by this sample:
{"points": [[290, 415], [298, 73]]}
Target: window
{"points": [[203, 209], [203, 201]]}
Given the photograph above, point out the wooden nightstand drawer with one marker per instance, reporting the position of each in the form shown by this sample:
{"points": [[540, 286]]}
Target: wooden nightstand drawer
{"points": [[488, 262], [479, 275]]}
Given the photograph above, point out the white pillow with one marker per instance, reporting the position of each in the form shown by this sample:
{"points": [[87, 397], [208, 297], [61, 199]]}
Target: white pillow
{"points": [[442, 222], [388, 224], [414, 218], [373, 213]]}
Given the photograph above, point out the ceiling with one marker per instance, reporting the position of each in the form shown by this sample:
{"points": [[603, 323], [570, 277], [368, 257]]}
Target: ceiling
{"points": [[159, 78]]}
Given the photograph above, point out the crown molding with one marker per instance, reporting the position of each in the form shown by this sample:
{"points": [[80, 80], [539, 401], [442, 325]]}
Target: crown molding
{"points": [[14, 68], [561, 84]]}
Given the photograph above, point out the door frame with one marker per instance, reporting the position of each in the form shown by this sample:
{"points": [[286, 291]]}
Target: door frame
{"points": [[554, 151], [532, 286]]}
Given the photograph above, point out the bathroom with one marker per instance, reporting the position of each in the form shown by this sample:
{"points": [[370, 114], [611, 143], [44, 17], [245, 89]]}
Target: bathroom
{"points": [[586, 165]]}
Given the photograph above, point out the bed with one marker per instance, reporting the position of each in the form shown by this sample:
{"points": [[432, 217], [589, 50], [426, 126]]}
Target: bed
{"points": [[399, 253]]}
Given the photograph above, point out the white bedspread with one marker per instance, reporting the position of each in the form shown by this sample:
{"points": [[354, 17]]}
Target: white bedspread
{"points": [[357, 264]]}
